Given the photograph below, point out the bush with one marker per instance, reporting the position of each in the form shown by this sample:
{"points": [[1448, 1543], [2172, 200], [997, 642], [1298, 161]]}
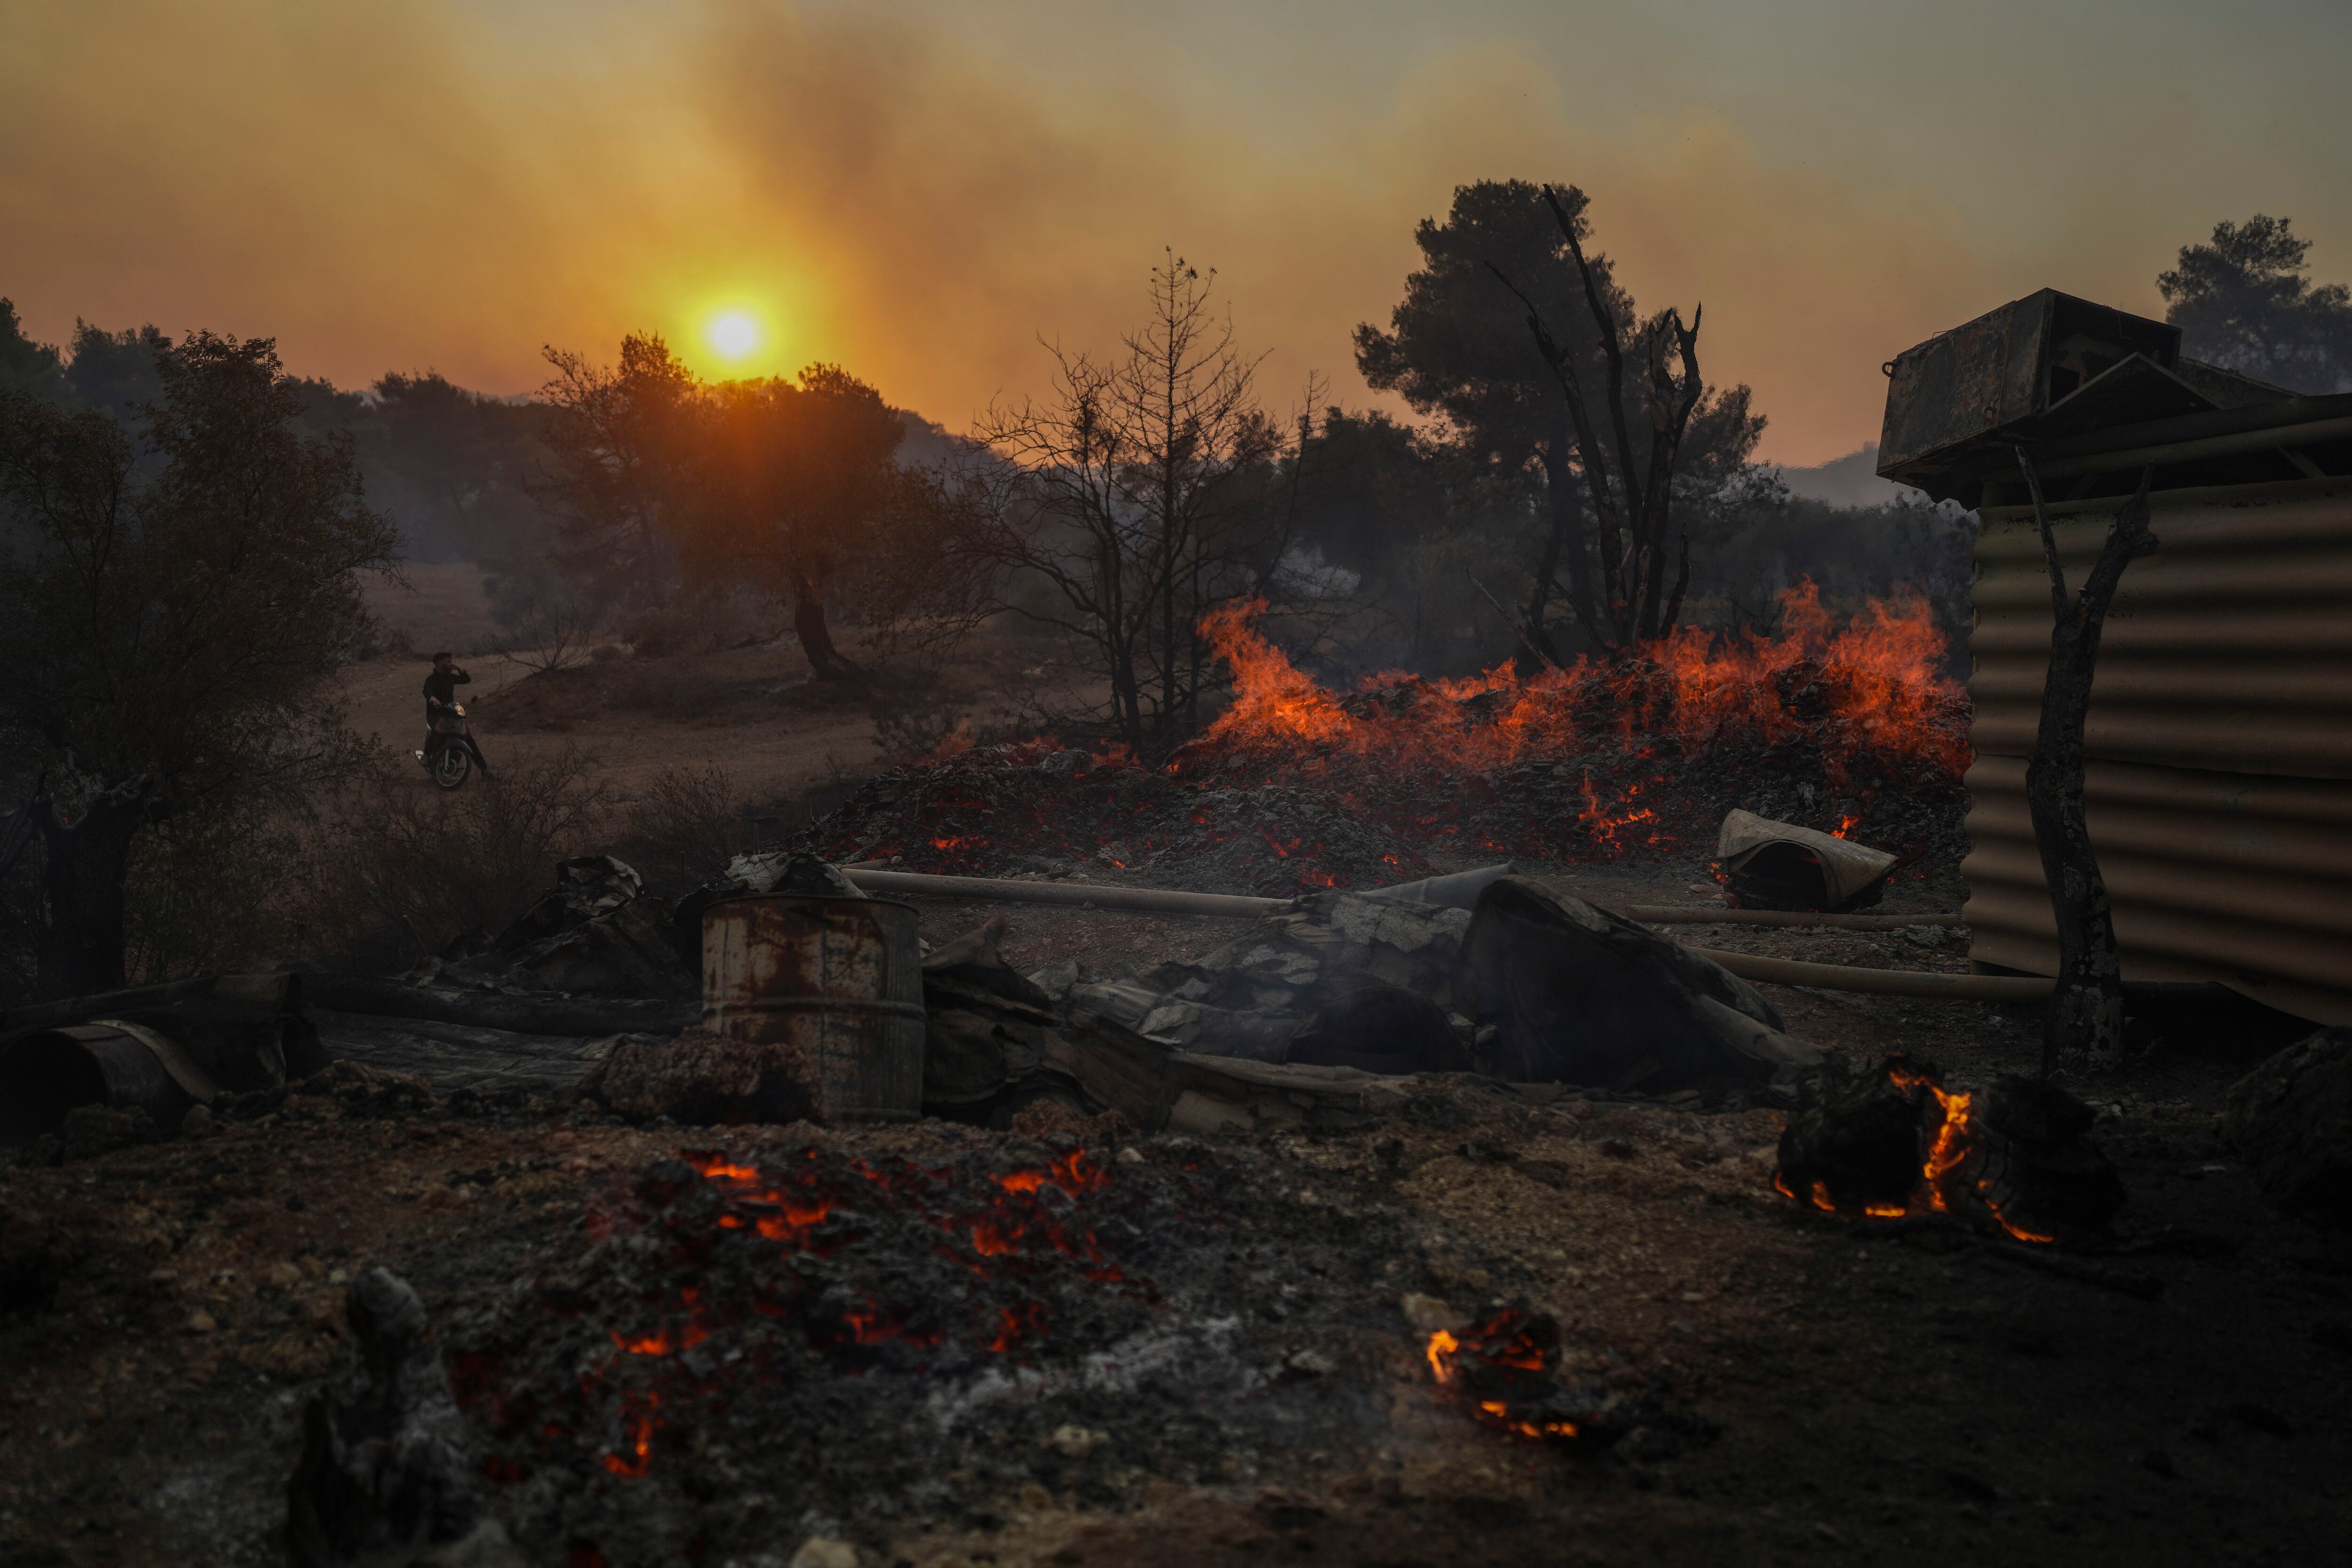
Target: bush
{"points": [[657, 633], [398, 868], [682, 827]]}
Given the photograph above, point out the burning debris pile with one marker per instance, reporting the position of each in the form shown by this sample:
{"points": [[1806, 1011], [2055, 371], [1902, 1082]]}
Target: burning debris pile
{"points": [[1040, 1315], [1892, 1141], [1295, 787], [1506, 1373]]}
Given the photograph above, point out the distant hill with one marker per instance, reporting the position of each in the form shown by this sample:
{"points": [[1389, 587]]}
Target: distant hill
{"points": [[1850, 480]]}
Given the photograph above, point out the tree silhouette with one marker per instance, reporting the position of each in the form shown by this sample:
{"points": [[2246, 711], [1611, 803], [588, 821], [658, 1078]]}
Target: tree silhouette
{"points": [[175, 596], [2245, 300], [1501, 330]]}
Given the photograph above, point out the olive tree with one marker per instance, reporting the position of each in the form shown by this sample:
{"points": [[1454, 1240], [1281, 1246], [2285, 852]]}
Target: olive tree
{"points": [[177, 591]]}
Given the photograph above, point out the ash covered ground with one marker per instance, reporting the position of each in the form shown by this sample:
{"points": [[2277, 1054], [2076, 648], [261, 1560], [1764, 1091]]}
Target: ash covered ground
{"points": [[945, 1347], [1252, 1387]]}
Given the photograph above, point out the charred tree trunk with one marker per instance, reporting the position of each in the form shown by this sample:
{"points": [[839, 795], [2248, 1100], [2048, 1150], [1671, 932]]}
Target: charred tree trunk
{"points": [[2086, 1013], [825, 661], [1565, 544], [87, 865], [1631, 537]]}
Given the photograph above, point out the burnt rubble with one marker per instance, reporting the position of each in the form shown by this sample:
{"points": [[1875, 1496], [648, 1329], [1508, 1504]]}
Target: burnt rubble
{"points": [[1567, 992], [1892, 1141], [2291, 1120], [387, 1472], [1042, 1314], [128, 1065], [594, 934]]}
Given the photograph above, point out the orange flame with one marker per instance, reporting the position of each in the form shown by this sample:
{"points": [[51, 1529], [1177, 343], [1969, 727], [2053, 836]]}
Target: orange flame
{"points": [[1880, 672], [1944, 1181], [1885, 665], [1444, 1352]]}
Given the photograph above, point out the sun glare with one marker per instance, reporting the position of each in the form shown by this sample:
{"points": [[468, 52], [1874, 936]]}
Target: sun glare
{"points": [[733, 334]]}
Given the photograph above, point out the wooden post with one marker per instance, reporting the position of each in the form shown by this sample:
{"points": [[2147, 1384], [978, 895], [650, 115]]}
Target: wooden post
{"points": [[2086, 1011]]}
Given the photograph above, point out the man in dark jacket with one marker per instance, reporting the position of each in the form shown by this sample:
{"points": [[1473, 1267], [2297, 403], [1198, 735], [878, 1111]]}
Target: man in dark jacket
{"points": [[440, 694]]}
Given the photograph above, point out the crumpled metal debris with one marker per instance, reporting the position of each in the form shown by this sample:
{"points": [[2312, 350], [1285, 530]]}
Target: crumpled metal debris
{"points": [[1780, 866], [1293, 977], [1564, 992], [597, 932]]}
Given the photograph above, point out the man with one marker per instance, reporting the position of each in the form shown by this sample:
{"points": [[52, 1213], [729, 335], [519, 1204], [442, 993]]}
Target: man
{"points": [[441, 692]]}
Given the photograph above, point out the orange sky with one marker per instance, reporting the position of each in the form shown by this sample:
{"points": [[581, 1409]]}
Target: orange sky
{"points": [[920, 190]]}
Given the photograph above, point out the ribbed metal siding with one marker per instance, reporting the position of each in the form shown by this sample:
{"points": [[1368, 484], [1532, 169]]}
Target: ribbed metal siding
{"points": [[2220, 791]]}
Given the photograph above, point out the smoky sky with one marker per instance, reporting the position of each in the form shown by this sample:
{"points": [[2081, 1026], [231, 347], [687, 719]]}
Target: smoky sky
{"points": [[923, 191]]}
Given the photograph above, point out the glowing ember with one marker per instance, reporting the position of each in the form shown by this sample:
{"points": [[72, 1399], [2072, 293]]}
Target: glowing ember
{"points": [[1952, 1175], [1012, 1230], [1502, 1373]]}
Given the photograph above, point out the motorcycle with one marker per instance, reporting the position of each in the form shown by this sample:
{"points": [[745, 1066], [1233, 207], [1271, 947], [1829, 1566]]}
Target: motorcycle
{"points": [[454, 763]]}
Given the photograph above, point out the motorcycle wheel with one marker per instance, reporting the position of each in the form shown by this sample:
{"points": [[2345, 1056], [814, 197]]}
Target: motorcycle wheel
{"points": [[451, 767]]}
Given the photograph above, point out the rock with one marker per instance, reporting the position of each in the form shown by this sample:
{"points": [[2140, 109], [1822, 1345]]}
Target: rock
{"points": [[1076, 1442], [286, 1276], [701, 1079], [1056, 979], [1311, 1363], [201, 1323], [2290, 1119], [824, 1551], [384, 1474], [1130, 1155], [1428, 1314], [90, 1131], [198, 1122]]}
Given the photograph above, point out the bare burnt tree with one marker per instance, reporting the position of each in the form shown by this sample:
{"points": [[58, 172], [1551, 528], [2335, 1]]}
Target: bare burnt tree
{"points": [[2086, 1013], [1632, 498], [1138, 497]]}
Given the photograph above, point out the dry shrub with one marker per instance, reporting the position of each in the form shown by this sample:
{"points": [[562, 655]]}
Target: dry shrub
{"points": [[911, 721], [683, 826], [207, 892], [398, 867], [657, 633]]}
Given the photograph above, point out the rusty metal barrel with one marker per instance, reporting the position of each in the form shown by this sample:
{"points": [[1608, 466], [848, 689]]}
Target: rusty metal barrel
{"points": [[840, 979]]}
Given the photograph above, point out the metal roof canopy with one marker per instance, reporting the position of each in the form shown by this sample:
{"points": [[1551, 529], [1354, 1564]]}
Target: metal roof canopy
{"points": [[2219, 741], [2091, 392]]}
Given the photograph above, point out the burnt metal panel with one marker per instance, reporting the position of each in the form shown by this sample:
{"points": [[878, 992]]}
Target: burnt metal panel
{"points": [[2220, 785]]}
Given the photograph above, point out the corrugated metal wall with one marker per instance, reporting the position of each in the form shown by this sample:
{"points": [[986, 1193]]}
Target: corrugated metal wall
{"points": [[2219, 789]]}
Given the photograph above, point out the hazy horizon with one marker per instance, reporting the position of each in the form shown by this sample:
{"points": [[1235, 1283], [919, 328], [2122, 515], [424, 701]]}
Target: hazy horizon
{"points": [[919, 191]]}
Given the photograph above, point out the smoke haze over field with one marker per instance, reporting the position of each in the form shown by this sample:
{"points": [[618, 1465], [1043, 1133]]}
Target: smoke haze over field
{"points": [[918, 190]]}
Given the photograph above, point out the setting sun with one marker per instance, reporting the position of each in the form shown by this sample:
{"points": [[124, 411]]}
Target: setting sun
{"points": [[733, 334]]}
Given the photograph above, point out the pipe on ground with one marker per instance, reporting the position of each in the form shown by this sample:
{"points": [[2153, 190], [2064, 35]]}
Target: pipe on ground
{"points": [[1882, 982], [1676, 914], [1449, 890], [1006, 889]]}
